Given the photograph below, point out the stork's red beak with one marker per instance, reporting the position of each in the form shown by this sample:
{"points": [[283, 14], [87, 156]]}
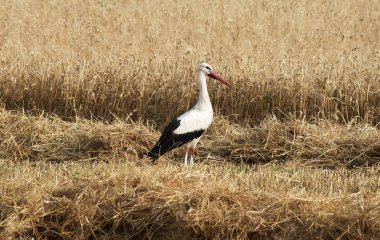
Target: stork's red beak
{"points": [[214, 75]]}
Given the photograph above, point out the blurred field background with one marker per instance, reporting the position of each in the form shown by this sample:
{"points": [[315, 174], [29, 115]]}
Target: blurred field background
{"points": [[86, 86], [313, 59]]}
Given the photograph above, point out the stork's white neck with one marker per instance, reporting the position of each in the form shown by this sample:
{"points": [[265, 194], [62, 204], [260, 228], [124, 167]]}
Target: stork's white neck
{"points": [[204, 102]]}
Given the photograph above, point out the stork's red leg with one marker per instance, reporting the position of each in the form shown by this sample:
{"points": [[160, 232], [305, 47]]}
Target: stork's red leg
{"points": [[186, 153], [194, 151]]}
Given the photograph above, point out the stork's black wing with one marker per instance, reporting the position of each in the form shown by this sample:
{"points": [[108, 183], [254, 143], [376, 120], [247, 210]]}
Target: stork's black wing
{"points": [[170, 140]]}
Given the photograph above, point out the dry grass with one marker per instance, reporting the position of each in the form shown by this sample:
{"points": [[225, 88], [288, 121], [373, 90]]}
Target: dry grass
{"points": [[83, 179], [315, 59], [305, 74], [25, 138], [124, 200]]}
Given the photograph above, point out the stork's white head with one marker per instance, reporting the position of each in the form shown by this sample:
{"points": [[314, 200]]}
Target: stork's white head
{"points": [[207, 70]]}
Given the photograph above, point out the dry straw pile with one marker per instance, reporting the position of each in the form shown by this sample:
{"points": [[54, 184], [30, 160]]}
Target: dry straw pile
{"points": [[104, 201], [293, 153], [65, 180]]}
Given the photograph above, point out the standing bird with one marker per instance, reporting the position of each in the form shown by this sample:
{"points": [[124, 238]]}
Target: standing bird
{"points": [[190, 126]]}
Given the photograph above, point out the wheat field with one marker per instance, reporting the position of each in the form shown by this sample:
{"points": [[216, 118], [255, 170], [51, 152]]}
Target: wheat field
{"points": [[86, 87]]}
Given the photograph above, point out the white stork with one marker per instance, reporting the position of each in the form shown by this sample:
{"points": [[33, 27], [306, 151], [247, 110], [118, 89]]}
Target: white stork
{"points": [[190, 126]]}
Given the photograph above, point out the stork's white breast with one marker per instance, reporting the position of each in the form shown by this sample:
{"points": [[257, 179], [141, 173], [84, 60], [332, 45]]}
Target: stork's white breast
{"points": [[194, 120]]}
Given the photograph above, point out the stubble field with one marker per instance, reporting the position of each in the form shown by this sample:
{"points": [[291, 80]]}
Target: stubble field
{"points": [[85, 88]]}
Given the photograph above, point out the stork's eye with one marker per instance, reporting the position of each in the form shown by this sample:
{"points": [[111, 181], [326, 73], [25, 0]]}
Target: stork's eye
{"points": [[207, 67]]}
